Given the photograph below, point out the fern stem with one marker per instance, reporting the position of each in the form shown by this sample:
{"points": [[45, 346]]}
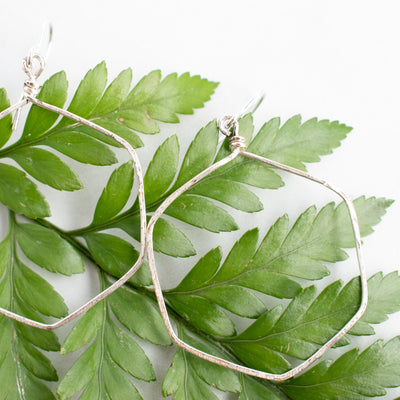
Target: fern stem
{"points": [[209, 339], [69, 238], [133, 211], [14, 351], [178, 319]]}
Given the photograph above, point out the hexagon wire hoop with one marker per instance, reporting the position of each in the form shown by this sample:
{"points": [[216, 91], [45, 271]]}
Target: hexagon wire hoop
{"points": [[29, 98], [238, 150]]}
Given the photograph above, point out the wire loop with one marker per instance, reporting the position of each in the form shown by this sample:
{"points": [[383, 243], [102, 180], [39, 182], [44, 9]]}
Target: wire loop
{"points": [[33, 65], [229, 126]]}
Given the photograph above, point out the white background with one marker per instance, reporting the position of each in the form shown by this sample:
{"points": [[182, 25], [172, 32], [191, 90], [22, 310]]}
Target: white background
{"points": [[330, 59]]}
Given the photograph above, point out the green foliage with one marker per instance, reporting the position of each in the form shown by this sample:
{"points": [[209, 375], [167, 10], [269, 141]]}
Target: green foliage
{"points": [[383, 299], [88, 94], [314, 237], [161, 170], [116, 256], [354, 375], [225, 185], [269, 267], [39, 121], [156, 99], [47, 168], [294, 332], [308, 322], [102, 369], [75, 145], [294, 143], [103, 105], [20, 194], [23, 366], [5, 123], [197, 206], [281, 264], [48, 249], [115, 194], [254, 390], [189, 377]]}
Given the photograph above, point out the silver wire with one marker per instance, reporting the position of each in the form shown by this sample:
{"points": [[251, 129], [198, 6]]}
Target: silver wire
{"points": [[30, 98], [228, 123], [43, 47], [252, 105], [33, 65], [158, 291]]}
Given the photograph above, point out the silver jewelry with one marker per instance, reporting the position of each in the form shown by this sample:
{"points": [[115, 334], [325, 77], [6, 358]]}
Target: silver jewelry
{"points": [[33, 66], [229, 126]]}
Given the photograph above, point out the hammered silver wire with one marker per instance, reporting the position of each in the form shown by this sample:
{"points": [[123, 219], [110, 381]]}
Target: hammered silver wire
{"points": [[237, 150], [28, 97], [229, 127]]}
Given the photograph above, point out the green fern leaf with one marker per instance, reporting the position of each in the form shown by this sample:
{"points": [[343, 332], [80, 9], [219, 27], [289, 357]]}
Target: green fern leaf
{"points": [[97, 103], [295, 143], [252, 389], [39, 120], [214, 287], [196, 206], [189, 377], [47, 168], [116, 256], [115, 195], [307, 323], [88, 94], [20, 194], [23, 367], [112, 355], [383, 299], [354, 375], [267, 268], [6, 122], [48, 249], [156, 99]]}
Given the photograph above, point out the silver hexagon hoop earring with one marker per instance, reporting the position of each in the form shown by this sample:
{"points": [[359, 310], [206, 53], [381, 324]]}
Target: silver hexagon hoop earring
{"points": [[229, 127], [33, 66]]}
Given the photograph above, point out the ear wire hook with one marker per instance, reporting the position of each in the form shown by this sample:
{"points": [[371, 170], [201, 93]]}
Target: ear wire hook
{"points": [[252, 105], [34, 64], [43, 48], [229, 126]]}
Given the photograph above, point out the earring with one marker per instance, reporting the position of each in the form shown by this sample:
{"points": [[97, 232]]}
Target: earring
{"points": [[33, 66], [229, 127]]}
